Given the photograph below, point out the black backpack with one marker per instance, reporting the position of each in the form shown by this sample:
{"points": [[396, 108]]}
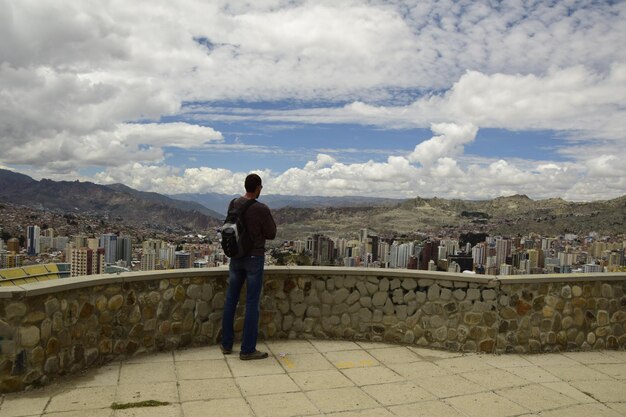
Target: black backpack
{"points": [[235, 239]]}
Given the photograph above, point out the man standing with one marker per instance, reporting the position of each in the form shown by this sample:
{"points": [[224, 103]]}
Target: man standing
{"points": [[249, 269]]}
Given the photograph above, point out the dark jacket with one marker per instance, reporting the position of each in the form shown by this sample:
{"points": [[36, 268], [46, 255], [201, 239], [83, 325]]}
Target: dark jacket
{"points": [[259, 223]]}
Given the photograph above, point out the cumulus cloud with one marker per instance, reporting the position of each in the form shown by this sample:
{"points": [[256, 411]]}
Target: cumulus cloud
{"points": [[89, 84], [448, 142], [398, 176]]}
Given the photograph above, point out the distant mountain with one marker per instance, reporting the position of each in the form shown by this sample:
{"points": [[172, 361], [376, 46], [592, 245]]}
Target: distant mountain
{"points": [[507, 216], [219, 202], [118, 202], [185, 205], [299, 216]]}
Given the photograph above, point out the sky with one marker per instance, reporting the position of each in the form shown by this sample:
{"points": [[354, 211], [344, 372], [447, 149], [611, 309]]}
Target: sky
{"points": [[383, 98]]}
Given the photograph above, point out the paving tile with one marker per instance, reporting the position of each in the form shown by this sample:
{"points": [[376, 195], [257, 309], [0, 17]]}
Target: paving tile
{"points": [[394, 355], [333, 345], [341, 399], [212, 368], [137, 373], [495, 379], [583, 410], [159, 391], [107, 375], [151, 358], [603, 391], [533, 374], [20, 404], [316, 380], [305, 362], [614, 370], [619, 354], [229, 407], [566, 389], [436, 354], [82, 398], [425, 409], [267, 366], [536, 397], [372, 375], [448, 386], [575, 373], [374, 345], [404, 392], [266, 384], [619, 407], [372, 412], [592, 357], [98, 412], [462, 365], [506, 361], [485, 404], [282, 405], [208, 389], [418, 370], [351, 359], [172, 410], [290, 347], [549, 359], [199, 354]]}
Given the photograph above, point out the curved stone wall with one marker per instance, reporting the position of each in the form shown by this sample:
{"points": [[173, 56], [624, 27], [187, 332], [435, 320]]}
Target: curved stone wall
{"points": [[61, 327]]}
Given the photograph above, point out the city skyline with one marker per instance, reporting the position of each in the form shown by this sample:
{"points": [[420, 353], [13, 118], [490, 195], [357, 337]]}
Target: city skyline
{"points": [[448, 99]]}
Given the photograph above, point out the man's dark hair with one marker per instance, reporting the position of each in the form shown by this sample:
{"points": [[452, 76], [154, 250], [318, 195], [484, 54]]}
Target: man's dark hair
{"points": [[252, 181]]}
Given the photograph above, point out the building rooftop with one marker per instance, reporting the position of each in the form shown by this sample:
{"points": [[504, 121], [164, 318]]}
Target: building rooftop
{"points": [[338, 378]]}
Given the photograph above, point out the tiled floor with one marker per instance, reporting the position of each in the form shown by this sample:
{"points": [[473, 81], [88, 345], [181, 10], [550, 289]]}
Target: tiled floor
{"points": [[341, 379]]}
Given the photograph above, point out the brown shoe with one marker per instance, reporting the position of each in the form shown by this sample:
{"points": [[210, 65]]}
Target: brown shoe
{"points": [[226, 351], [252, 356]]}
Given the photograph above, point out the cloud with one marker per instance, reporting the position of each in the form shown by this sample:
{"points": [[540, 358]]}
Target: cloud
{"points": [[92, 85], [447, 175], [449, 142]]}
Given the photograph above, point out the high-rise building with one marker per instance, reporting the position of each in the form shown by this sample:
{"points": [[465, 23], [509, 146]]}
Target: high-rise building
{"points": [[13, 245], [85, 261], [591, 268], [60, 242], [506, 269], [533, 258], [12, 260], [148, 260], [479, 254], [182, 260], [80, 241], [108, 241], [503, 250], [323, 249], [124, 250], [33, 243], [465, 262], [167, 256]]}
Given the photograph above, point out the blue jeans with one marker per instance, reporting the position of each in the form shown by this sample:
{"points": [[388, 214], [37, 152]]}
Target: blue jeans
{"points": [[248, 269]]}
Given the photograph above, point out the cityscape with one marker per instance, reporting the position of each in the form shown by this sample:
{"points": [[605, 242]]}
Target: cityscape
{"points": [[82, 255]]}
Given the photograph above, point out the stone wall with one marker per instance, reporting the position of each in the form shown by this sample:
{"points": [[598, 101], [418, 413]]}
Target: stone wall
{"points": [[61, 327], [553, 315]]}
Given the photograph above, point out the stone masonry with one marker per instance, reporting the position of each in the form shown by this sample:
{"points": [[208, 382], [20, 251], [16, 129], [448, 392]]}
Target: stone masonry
{"points": [[73, 324]]}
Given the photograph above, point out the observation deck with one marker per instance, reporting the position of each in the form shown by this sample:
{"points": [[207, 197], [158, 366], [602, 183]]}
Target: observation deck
{"points": [[450, 341]]}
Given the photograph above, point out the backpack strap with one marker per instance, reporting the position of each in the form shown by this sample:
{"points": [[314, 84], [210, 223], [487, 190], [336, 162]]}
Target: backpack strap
{"points": [[245, 206]]}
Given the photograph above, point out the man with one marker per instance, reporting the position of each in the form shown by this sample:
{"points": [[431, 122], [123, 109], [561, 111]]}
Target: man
{"points": [[249, 269]]}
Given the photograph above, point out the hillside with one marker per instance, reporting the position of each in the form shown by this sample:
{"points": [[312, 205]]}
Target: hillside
{"points": [[501, 216], [219, 202], [112, 203]]}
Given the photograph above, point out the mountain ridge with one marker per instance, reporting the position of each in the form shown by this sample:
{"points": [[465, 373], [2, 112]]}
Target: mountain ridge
{"points": [[299, 216]]}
